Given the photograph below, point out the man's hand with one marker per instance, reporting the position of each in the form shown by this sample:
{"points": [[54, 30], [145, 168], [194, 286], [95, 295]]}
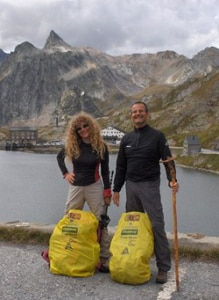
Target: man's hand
{"points": [[116, 198], [174, 186]]}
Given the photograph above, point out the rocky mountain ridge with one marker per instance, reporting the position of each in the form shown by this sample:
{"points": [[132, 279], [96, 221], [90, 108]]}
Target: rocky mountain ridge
{"points": [[38, 85]]}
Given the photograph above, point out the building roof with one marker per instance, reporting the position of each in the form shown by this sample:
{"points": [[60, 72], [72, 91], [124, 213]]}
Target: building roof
{"points": [[111, 132], [192, 140]]}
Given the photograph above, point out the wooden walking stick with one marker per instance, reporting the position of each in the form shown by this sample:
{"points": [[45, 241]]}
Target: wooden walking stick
{"points": [[176, 252]]}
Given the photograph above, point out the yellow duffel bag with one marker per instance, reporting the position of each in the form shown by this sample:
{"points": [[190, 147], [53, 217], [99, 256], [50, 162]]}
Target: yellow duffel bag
{"points": [[132, 247], [73, 246]]}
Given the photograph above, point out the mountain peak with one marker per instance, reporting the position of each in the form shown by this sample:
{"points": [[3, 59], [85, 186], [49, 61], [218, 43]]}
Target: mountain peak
{"points": [[55, 43], [25, 48], [2, 55], [53, 38]]}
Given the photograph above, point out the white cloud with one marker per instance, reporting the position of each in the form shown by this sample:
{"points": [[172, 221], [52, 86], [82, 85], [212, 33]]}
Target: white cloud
{"points": [[113, 26]]}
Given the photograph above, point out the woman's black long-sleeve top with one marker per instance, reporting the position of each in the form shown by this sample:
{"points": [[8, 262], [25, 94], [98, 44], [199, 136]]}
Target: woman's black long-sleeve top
{"points": [[86, 166]]}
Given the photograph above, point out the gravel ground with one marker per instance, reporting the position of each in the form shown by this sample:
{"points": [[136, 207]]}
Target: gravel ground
{"points": [[26, 276]]}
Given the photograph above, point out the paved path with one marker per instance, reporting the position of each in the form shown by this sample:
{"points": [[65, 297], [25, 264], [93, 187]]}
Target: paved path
{"points": [[26, 276]]}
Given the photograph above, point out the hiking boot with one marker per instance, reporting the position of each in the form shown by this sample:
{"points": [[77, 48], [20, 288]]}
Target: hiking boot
{"points": [[161, 276], [104, 268]]}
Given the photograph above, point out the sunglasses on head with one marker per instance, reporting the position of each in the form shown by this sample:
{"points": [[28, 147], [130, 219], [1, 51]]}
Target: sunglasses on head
{"points": [[81, 127]]}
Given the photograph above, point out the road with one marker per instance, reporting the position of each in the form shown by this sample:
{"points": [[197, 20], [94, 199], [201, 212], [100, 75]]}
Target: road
{"points": [[203, 151], [26, 276], [207, 151]]}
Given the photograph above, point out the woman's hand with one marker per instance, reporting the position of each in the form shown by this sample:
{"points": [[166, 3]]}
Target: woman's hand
{"points": [[70, 177], [107, 200]]}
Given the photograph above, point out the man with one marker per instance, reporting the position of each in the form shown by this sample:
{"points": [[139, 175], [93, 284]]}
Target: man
{"points": [[138, 164]]}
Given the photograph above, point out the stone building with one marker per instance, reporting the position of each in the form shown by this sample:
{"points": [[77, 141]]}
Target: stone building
{"points": [[191, 145], [22, 137]]}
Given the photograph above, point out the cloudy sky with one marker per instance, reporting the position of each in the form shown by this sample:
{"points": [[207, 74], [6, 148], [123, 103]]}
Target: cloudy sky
{"points": [[116, 27]]}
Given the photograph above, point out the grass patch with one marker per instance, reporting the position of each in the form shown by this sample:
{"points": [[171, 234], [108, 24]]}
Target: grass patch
{"points": [[208, 162], [19, 235], [210, 255]]}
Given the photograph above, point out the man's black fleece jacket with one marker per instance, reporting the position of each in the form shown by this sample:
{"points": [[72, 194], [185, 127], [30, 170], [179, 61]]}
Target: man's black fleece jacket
{"points": [[139, 156]]}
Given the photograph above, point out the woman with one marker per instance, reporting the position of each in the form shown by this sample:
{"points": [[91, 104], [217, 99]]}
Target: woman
{"points": [[87, 151]]}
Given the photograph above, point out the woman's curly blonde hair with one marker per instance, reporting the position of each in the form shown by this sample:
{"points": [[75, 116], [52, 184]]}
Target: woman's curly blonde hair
{"points": [[73, 139]]}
